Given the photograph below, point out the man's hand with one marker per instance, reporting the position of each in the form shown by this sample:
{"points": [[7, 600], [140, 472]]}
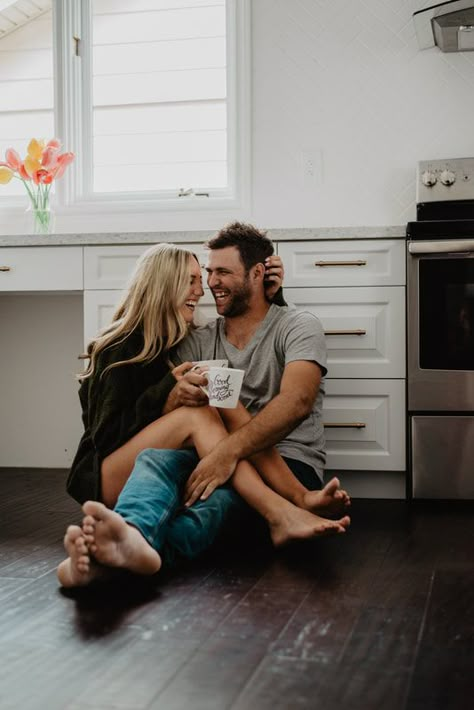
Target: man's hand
{"points": [[274, 273], [212, 471], [187, 391]]}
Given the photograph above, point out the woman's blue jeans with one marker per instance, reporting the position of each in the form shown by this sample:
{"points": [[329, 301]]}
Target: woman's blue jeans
{"points": [[152, 501]]}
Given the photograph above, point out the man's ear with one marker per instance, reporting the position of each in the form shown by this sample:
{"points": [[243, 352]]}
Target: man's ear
{"points": [[258, 272]]}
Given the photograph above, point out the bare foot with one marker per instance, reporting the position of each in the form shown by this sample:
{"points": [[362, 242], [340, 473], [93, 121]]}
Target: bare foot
{"points": [[77, 570], [330, 500], [297, 524], [115, 543]]}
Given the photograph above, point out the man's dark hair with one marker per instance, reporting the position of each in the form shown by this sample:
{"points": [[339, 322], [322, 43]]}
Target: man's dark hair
{"points": [[254, 246]]}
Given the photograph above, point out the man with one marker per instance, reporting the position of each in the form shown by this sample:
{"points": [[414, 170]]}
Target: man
{"points": [[282, 351], [283, 354]]}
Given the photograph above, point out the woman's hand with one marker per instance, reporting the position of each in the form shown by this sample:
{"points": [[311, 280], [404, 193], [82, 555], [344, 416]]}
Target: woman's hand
{"points": [[187, 391], [274, 273]]}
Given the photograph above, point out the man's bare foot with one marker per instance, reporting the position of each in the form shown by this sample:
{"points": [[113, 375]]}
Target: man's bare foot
{"points": [[115, 543], [330, 500], [77, 570], [293, 523]]}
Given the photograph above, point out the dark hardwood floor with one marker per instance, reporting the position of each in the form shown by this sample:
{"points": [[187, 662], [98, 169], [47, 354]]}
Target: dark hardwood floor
{"points": [[382, 617]]}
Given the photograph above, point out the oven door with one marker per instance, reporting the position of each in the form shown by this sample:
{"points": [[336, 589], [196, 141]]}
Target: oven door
{"points": [[440, 303]]}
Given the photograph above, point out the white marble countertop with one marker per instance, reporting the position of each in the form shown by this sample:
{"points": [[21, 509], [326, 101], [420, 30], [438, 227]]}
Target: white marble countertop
{"points": [[277, 235]]}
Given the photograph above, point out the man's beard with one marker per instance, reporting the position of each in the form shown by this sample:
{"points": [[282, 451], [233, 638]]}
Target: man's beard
{"points": [[238, 302]]}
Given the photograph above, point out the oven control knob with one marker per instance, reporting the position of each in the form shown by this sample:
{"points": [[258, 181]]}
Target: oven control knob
{"points": [[447, 177], [428, 178]]}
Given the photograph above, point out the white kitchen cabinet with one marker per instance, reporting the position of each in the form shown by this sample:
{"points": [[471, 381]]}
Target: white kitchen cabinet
{"points": [[374, 262], [106, 273], [364, 328], [357, 290], [29, 269], [100, 304], [364, 425], [110, 267]]}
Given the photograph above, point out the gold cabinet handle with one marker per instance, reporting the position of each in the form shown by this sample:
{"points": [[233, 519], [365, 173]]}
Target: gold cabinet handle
{"points": [[357, 262], [5, 268], [344, 425], [356, 331]]}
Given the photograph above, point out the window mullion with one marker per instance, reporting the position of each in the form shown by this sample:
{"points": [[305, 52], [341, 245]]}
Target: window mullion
{"points": [[72, 91]]}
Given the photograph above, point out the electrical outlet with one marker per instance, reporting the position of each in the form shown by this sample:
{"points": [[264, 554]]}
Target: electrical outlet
{"points": [[311, 167]]}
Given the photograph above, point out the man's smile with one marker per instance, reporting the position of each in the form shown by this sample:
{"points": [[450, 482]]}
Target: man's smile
{"points": [[220, 295]]}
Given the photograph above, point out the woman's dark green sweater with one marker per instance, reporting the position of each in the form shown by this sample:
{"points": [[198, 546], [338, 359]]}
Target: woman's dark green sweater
{"points": [[115, 407]]}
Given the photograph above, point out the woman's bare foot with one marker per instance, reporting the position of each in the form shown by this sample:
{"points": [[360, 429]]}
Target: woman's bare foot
{"points": [[77, 570], [115, 543], [293, 523], [330, 500]]}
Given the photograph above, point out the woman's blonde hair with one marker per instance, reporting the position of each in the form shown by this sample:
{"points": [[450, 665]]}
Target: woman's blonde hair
{"points": [[151, 303]]}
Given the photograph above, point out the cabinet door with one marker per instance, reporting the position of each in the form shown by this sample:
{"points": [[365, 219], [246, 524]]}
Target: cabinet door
{"points": [[99, 307], [364, 425], [377, 262], [364, 327], [110, 267], [41, 269]]}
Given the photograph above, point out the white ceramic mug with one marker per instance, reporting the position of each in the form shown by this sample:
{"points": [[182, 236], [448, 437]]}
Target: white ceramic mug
{"points": [[210, 363], [223, 386]]}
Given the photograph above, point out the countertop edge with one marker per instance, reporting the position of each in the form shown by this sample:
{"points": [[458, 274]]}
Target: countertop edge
{"points": [[200, 236]]}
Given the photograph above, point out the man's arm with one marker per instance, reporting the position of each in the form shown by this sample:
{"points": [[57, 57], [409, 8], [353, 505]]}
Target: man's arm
{"points": [[298, 391]]}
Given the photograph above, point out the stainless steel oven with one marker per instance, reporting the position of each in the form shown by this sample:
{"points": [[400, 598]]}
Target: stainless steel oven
{"points": [[440, 317]]}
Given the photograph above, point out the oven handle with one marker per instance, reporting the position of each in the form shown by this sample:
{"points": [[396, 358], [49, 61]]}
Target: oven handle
{"points": [[442, 247]]}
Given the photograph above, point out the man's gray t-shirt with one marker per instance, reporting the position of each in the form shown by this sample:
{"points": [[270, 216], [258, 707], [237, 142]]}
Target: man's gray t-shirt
{"points": [[284, 336]]}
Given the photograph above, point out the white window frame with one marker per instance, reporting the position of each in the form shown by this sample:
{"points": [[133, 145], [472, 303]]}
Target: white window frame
{"points": [[73, 120]]}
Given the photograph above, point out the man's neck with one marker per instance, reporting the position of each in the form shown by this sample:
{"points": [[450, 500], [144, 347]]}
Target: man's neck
{"points": [[240, 329]]}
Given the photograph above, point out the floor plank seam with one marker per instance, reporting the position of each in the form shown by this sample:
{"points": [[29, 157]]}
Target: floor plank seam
{"points": [[419, 638]]}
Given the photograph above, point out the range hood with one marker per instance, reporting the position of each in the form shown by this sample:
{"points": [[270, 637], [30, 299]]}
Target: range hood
{"points": [[449, 25]]}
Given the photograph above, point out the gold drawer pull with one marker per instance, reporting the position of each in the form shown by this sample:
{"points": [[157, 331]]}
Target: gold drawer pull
{"points": [[356, 331], [357, 262], [5, 268], [344, 425]]}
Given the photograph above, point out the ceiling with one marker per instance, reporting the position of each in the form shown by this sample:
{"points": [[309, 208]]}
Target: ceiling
{"points": [[16, 13]]}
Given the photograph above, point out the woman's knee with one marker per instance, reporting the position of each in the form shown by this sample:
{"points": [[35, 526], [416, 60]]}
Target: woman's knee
{"points": [[204, 415]]}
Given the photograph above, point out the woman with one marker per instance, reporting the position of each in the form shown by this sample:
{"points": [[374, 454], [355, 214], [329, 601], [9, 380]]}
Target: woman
{"points": [[124, 396]]}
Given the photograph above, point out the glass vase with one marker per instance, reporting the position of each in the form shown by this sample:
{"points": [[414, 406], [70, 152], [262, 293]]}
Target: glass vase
{"points": [[39, 221]]}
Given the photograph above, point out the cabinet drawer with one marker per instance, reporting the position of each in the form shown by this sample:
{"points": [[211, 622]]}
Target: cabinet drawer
{"points": [[364, 327], [41, 269], [364, 425], [110, 267], [373, 262], [100, 304]]}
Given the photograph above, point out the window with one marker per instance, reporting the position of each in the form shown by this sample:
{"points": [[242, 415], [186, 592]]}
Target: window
{"points": [[152, 96], [26, 79]]}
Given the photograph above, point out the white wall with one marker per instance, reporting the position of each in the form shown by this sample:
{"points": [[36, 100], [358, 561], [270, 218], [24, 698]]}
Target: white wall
{"points": [[343, 79], [41, 417], [345, 82]]}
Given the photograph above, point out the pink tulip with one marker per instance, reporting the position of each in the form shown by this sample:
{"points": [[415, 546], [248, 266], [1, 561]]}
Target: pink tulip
{"points": [[13, 159], [50, 157], [43, 176], [54, 143], [64, 160], [22, 173]]}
